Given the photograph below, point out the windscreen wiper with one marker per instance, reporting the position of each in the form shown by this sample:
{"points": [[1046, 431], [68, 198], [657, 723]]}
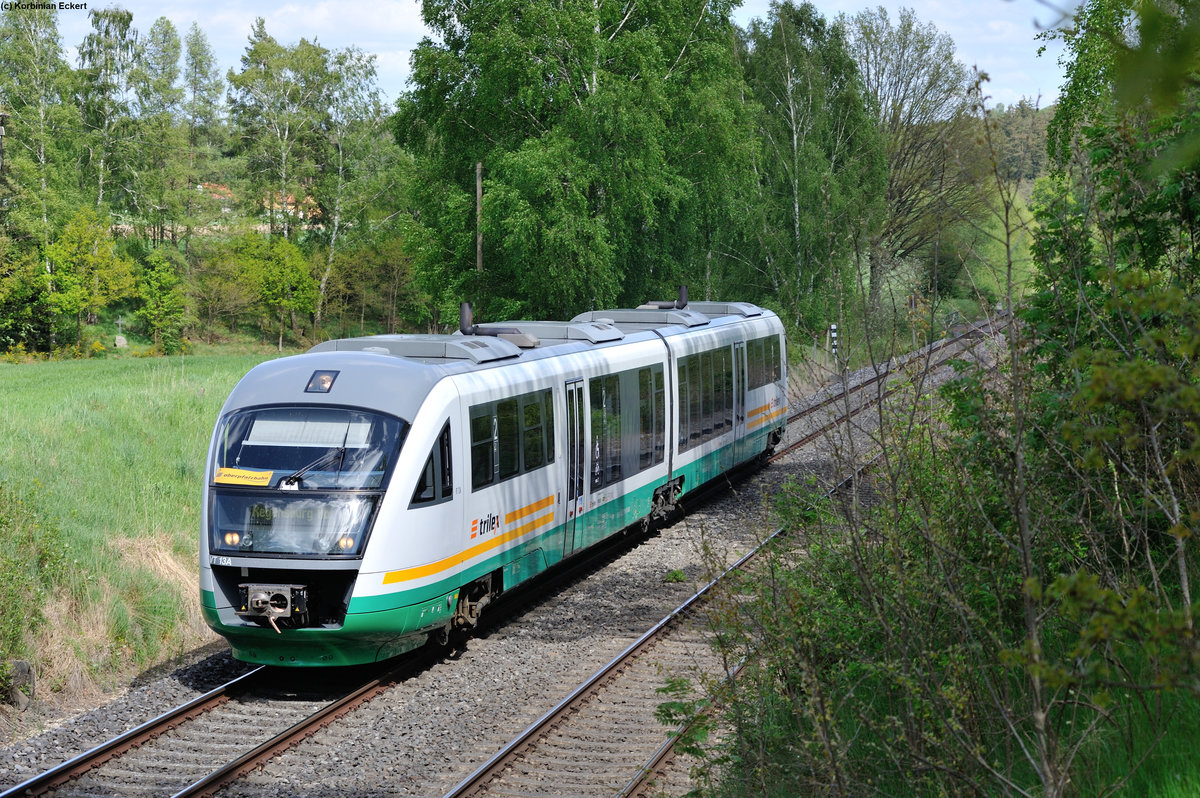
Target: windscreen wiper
{"points": [[323, 460]]}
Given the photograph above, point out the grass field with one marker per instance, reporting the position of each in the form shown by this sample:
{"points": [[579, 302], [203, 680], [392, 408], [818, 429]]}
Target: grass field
{"points": [[111, 453]]}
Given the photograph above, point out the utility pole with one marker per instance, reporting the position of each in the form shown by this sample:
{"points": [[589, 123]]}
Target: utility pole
{"points": [[3, 183], [3, 122], [479, 216]]}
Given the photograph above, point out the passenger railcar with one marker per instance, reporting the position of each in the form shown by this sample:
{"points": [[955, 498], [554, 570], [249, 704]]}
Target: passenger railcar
{"points": [[377, 491]]}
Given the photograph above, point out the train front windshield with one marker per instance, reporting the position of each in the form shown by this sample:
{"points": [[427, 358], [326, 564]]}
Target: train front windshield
{"points": [[300, 480]]}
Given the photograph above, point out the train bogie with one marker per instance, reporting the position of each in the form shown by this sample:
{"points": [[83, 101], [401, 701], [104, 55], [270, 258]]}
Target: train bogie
{"points": [[376, 492]]}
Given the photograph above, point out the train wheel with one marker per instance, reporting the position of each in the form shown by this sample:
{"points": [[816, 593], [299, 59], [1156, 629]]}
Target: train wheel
{"points": [[473, 598]]}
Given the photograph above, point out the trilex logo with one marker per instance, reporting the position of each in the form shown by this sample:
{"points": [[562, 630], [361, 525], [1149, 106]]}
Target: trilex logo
{"points": [[485, 526]]}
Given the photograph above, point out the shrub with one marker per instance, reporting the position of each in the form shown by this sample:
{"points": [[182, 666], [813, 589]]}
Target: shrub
{"points": [[31, 564]]}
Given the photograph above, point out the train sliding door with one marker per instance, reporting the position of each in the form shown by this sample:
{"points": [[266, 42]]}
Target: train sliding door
{"points": [[739, 401], [576, 463]]}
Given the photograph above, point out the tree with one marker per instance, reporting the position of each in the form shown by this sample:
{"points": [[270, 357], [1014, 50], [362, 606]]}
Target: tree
{"points": [[1091, 45], [158, 184], [106, 58], [35, 90], [85, 272], [572, 111], [281, 277], [919, 92], [352, 131], [278, 102], [25, 319], [822, 173], [202, 108], [162, 310], [219, 289]]}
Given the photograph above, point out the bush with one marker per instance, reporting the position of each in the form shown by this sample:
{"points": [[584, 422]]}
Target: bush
{"points": [[31, 564]]}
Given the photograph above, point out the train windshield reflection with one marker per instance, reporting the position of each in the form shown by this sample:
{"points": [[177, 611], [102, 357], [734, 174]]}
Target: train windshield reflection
{"points": [[307, 448]]}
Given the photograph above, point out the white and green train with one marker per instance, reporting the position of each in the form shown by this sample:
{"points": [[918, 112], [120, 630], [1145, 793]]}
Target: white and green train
{"points": [[377, 491]]}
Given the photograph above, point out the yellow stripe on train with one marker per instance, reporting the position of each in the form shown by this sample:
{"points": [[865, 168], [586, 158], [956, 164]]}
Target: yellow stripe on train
{"points": [[767, 418], [529, 509], [392, 577]]}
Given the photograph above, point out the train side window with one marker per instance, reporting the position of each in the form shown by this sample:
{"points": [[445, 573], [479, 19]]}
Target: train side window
{"points": [[706, 388], [773, 359], [426, 491], [599, 450], [645, 420], [483, 447], [548, 403], [695, 391], [508, 436], [511, 437], [436, 483], [612, 407], [532, 438], [652, 416], [605, 395], [720, 388], [446, 464], [758, 369]]}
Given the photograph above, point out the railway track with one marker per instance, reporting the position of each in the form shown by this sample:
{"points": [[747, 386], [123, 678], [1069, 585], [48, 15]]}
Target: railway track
{"points": [[853, 407], [173, 753], [594, 740], [604, 738], [247, 722]]}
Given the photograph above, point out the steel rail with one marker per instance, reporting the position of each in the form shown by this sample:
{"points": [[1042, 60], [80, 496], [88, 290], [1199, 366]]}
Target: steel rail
{"points": [[640, 783], [926, 351], [210, 784], [133, 738], [491, 768]]}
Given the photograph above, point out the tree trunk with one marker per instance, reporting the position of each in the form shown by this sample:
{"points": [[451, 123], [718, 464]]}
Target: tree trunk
{"points": [[875, 273]]}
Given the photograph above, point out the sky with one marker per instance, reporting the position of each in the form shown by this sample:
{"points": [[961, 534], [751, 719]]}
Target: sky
{"points": [[995, 36]]}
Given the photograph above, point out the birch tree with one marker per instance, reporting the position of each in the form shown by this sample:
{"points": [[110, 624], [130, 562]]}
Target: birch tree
{"points": [[822, 174], [574, 111], [35, 90], [106, 58], [277, 102], [919, 92]]}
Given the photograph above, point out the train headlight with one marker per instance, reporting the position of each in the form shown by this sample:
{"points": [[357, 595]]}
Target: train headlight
{"points": [[232, 538], [345, 543]]}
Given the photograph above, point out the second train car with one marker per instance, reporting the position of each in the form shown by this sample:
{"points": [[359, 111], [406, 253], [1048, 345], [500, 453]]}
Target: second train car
{"points": [[378, 491]]}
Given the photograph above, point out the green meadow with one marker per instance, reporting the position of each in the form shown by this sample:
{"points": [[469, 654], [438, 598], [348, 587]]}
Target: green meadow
{"points": [[101, 465]]}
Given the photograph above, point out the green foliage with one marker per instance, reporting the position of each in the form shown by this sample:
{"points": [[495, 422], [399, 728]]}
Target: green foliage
{"points": [[280, 275], [159, 182], [1020, 138], [32, 557], [541, 211], [24, 316], [684, 709], [84, 271], [39, 171], [1016, 614], [277, 103], [162, 311], [823, 168], [106, 58], [920, 95], [581, 137]]}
